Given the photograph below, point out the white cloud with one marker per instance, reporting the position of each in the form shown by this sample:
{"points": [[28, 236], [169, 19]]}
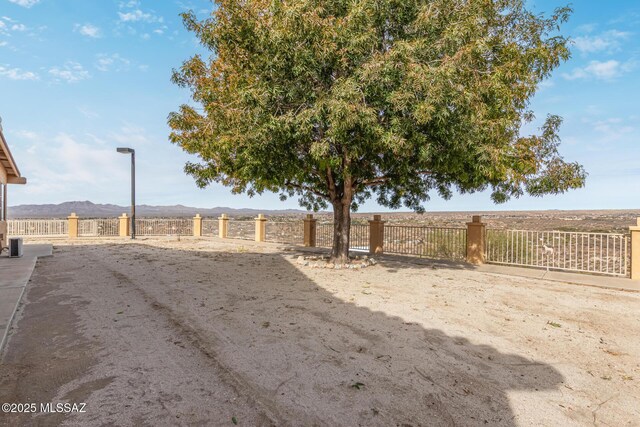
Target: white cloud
{"points": [[113, 62], [607, 133], [17, 74], [71, 72], [25, 3], [586, 28], [602, 70], [27, 134], [138, 15], [130, 4], [130, 134], [96, 139], [608, 41], [88, 30], [18, 27], [546, 84], [89, 114], [613, 128], [59, 162]]}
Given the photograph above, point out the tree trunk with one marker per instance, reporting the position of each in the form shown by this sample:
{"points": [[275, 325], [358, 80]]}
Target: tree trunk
{"points": [[341, 231]]}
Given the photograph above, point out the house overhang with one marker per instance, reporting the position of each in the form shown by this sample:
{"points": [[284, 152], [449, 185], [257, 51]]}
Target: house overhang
{"points": [[8, 165]]}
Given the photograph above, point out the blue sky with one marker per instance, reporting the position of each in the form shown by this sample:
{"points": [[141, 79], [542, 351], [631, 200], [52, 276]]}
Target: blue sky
{"points": [[80, 77]]}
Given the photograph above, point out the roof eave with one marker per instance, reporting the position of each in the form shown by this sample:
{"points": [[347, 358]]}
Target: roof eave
{"points": [[13, 174]]}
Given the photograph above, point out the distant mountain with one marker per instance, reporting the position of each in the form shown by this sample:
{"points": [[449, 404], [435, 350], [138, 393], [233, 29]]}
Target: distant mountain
{"points": [[88, 209]]}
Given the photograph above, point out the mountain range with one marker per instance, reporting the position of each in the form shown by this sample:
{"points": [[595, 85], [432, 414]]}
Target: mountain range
{"points": [[87, 209]]}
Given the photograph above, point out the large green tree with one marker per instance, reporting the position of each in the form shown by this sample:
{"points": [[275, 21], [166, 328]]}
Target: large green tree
{"points": [[337, 101]]}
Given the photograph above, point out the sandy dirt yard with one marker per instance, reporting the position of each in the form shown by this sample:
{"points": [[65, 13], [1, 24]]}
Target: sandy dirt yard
{"points": [[210, 332]]}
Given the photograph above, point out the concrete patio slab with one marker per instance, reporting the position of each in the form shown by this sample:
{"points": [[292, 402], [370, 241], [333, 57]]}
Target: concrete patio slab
{"points": [[14, 276]]}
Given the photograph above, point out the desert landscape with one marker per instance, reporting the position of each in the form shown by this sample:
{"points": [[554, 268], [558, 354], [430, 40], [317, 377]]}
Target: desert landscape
{"points": [[592, 221], [199, 332], [597, 221]]}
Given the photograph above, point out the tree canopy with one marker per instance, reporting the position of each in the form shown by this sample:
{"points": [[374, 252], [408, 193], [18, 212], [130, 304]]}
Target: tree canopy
{"points": [[338, 101]]}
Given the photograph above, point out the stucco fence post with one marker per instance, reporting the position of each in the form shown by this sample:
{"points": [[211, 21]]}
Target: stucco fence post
{"points": [[223, 226], [476, 240], [72, 226], [261, 228], [197, 226], [310, 224], [376, 235], [635, 250], [123, 225]]}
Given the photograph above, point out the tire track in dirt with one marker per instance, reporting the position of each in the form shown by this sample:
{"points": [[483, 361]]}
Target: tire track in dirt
{"points": [[260, 398]]}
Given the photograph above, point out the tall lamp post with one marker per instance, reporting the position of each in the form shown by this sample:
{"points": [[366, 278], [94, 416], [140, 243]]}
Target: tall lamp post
{"points": [[131, 151]]}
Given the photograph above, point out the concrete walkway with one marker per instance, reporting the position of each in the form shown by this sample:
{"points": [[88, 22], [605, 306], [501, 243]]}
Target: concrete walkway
{"points": [[14, 276], [610, 282]]}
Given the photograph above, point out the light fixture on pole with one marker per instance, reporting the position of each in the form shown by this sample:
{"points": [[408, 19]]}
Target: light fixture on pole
{"points": [[131, 151]]}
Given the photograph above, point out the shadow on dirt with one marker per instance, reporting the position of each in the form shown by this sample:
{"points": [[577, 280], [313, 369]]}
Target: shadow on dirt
{"points": [[307, 356]]}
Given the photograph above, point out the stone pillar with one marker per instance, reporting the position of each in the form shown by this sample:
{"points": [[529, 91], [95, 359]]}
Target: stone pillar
{"points": [[376, 235], [73, 225], [261, 228], [223, 226], [309, 239], [476, 236], [635, 251], [123, 225], [197, 226]]}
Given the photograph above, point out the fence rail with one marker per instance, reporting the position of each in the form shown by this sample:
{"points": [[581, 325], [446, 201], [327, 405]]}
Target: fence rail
{"points": [[37, 227], [285, 232], [98, 227], [429, 242], [324, 235], [596, 253], [241, 229], [602, 253], [359, 237], [164, 227], [210, 227]]}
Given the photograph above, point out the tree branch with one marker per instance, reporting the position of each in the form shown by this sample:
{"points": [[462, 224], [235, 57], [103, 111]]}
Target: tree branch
{"points": [[382, 179], [306, 188]]}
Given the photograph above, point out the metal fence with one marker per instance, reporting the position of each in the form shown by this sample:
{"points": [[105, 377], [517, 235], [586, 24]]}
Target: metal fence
{"points": [[164, 227], [358, 239], [602, 253], [429, 242], [241, 229], [324, 235], [98, 227], [38, 227], [210, 227], [285, 232]]}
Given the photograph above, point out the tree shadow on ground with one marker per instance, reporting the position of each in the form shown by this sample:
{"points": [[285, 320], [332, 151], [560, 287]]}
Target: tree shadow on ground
{"points": [[305, 356], [320, 359]]}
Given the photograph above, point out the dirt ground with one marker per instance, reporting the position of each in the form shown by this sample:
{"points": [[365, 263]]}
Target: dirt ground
{"points": [[206, 332]]}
